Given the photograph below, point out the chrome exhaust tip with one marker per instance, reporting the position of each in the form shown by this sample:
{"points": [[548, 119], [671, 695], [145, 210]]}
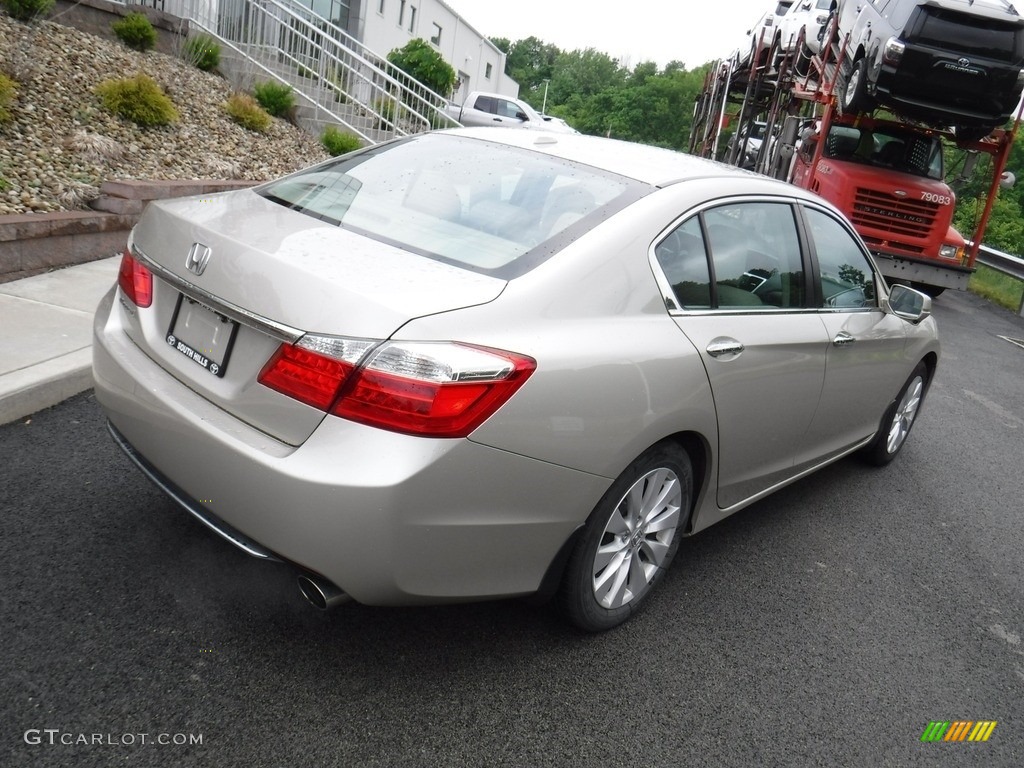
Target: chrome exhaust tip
{"points": [[320, 593]]}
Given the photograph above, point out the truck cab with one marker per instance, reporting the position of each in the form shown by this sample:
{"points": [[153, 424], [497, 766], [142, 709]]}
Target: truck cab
{"points": [[888, 180]]}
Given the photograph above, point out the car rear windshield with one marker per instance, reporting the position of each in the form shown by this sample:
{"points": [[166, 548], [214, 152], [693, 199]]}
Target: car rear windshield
{"points": [[970, 35], [473, 203]]}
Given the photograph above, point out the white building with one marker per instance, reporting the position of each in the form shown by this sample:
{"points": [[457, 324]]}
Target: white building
{"points": [[383, 25]]}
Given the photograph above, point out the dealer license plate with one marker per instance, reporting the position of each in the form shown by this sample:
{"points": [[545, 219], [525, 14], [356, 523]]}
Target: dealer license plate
{"points": [[202, 335]]}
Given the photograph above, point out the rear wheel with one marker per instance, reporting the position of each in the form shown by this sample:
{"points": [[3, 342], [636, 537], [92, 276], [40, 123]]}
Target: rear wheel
{"points": [[972, 132], [629, 540], [898, 419]]}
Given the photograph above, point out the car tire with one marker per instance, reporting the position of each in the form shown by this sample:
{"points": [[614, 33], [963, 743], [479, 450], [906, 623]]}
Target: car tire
{"points": [[629, 540], [898, 420], [972, 132], [802, 62], [853, 93]]}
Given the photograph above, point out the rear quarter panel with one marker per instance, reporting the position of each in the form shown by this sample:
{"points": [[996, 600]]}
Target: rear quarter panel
{"points": [[614, 373]]}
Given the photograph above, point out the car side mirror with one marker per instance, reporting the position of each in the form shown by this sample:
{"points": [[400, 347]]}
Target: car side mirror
{"points": [[913, 306], [520, 115]]}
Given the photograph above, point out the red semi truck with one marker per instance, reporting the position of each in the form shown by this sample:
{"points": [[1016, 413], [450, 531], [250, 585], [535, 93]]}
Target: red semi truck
{"points": [[887, 176]]}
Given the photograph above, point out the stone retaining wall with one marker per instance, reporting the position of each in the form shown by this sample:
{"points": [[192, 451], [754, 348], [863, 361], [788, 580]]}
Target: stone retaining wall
{"points": [[34, 243], [96, 16]]}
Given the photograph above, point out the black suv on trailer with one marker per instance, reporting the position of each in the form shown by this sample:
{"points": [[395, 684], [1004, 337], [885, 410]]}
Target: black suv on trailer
{"points": [[953, 62]]}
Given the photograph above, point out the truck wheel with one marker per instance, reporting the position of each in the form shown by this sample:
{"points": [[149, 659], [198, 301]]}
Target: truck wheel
{"points": [[898, 419], [853, 93]]}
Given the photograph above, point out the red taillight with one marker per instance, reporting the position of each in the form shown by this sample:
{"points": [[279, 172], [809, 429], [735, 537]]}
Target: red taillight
{"points": [[435, 390], [307, 376], [418, 388], [136, 280]]}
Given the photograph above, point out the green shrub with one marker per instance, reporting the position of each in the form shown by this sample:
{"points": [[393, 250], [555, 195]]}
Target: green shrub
{"points": [[135, 31], [243, 109], [202, 51], [8, 88], [138, 99], [419, 60], [339, 143], [28, 10], [276, 98]]}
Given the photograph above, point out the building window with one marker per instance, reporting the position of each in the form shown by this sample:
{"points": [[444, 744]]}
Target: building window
{"points": [[436, 37], [487, 71], [412, 18], [401, 12]]}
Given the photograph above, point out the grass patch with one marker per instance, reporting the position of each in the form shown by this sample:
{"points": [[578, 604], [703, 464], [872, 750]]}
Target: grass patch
{"points": [[998, 288]]}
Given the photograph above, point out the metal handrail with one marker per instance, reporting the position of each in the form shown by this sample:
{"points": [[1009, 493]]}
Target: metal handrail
{"points": [[324, 64]]}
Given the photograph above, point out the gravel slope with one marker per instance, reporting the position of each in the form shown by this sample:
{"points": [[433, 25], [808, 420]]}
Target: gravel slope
{"points": [[49, 152]]}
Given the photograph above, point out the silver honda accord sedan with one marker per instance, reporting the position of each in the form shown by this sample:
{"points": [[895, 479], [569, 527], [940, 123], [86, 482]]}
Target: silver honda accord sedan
{"points": [[489, 363]]}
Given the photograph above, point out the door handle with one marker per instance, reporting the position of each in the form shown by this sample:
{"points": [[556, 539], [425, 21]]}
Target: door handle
{"points": [[843, 339], [725, 347]]}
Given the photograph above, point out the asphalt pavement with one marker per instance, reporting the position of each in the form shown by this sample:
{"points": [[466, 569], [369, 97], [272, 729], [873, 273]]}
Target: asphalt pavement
{"points": [[827, 625]]}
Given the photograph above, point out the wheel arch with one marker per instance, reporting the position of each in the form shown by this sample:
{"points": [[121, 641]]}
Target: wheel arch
{"points": [[931, 362], [698, 449]]}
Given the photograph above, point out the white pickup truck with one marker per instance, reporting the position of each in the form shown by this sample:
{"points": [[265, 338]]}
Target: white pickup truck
{"points": [[493, 109]]}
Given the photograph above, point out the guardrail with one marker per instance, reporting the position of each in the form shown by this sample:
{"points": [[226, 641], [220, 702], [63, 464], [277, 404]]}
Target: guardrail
{"points": [[1006, 263]]}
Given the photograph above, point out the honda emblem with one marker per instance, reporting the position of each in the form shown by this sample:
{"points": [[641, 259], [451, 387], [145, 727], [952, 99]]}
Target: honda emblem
{"points": [[198, 258]]}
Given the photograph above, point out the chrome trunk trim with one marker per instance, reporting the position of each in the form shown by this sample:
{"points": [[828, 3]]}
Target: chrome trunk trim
{"points": [[271, 328]]}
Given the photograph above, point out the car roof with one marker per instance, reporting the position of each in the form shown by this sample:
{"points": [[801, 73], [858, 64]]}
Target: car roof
{"points": [[652, 165]]}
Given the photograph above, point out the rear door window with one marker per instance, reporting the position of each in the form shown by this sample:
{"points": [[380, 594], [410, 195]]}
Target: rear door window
{"points": [[737, 256]]}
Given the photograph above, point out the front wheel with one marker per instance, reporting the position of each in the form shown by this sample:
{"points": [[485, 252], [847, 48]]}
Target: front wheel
{"points": [[898, 419], [629, 540]]}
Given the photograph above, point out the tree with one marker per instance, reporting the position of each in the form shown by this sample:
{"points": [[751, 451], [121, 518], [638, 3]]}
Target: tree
{"points": [[422, 63], [530, 62]]}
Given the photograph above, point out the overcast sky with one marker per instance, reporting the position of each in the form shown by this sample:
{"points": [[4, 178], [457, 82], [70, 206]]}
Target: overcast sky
{"points": [[641, 30]]}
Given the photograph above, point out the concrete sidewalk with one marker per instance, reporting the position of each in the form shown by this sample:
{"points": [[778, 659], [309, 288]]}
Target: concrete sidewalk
{"points": [[46, 336]]}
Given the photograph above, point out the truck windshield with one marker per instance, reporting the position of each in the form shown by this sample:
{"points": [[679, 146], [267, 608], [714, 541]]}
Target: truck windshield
{"points": [[894, 149]]}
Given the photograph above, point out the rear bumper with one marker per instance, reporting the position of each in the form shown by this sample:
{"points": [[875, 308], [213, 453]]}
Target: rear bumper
{"points": [[926, 99], [391, 519]]}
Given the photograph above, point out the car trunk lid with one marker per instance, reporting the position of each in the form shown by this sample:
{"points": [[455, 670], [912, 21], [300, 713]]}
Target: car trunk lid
{"points": [[268, 274]]}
